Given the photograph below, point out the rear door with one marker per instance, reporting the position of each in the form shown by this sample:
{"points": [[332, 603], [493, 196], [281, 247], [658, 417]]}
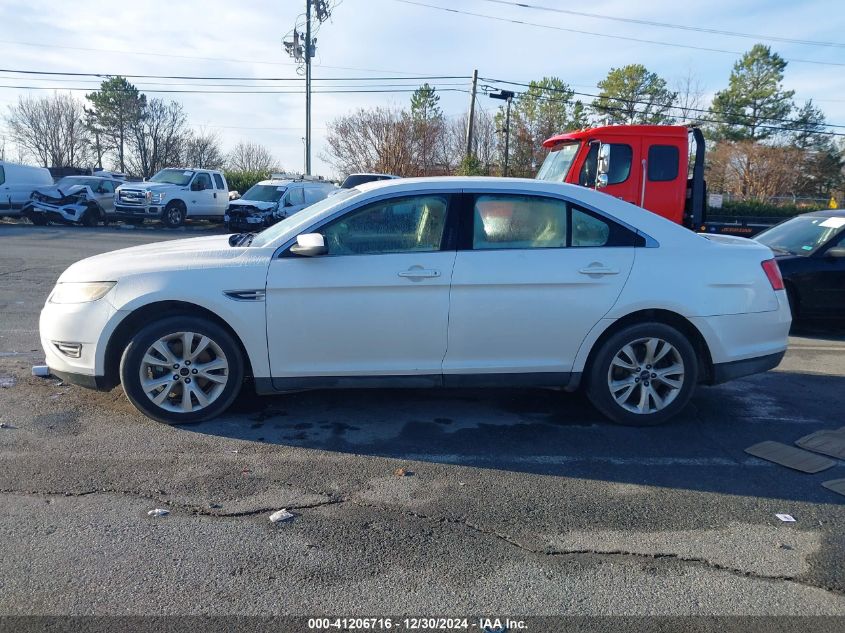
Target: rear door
{"points": [[665, 185], [532, 277], [221, 195]]}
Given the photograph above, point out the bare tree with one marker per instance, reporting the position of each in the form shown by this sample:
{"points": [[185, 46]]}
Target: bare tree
{"points": [[755, 171], [690, 97], [248, 156], [376, 139], [157, 138], [203, 150], [51, 129]]}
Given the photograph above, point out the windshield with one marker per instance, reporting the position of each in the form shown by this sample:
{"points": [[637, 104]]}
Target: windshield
{"points": [[71, 181], [558, 162], [802, 235], [300, 220], [264, 193], [173, 176]]}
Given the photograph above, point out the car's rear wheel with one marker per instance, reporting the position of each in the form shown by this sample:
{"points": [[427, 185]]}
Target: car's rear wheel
{"points": [[643, 375], [182, 369], [174, 215]]}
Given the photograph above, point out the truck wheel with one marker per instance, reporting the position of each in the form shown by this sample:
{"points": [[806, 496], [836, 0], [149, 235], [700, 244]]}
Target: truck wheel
{"points": [[182, 369], [174, 214], [643, 375]]}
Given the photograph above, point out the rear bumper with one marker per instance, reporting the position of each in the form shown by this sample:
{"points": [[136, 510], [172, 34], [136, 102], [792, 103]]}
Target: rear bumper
{"points": [[724, 372]]}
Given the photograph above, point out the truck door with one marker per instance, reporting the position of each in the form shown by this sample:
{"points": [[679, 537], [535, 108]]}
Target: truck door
{"points": [[201, 196], [221, 195], [622, 177], [665, 177]]}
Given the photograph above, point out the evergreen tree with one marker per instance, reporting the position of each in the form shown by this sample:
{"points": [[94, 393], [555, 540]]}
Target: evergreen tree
{"points": [[117, 108], [633, 95]]}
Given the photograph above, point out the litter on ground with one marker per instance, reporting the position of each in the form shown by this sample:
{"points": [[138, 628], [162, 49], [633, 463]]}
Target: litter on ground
{"points": [[158, 512], [281, 515]]}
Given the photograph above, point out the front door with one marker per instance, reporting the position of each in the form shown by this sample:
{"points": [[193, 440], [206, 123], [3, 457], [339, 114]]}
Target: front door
{"points": [[201, 195], [622, 180], [377, 304], [533, 278]]}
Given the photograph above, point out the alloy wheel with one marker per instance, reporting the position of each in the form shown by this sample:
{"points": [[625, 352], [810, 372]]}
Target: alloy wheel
{"points": [[184, 372], [646, 375]]}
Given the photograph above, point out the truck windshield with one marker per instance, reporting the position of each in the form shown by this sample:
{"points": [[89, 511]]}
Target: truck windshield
{"points": [[179, 177], [558, 162], [264, 193]]}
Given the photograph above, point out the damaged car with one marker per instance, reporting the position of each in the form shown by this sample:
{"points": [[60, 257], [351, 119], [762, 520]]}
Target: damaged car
{"points": [[272, 200], [86, 200]]}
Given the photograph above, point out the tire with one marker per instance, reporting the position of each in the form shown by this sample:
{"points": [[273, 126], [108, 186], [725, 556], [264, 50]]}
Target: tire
{"points": [[633, 376], [174, 214], [37, 220], [165, 401], [794, 304], [134, 221], [90, 218]]}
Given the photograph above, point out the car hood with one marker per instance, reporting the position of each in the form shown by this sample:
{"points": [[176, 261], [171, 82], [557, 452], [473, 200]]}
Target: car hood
{"points": [[56, 192], [241, 204], [198, 252], [150, 186]]}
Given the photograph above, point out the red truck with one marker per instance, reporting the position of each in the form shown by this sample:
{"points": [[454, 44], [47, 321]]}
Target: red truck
{"points": [[646, 165]]}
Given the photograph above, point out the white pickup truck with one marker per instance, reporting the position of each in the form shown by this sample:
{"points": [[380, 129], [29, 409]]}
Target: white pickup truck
{"points": [[174, 195]]}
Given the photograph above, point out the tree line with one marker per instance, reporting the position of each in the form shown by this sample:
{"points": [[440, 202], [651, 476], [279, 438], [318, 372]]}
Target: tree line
{"points": [[760, 142], [121, 128]]}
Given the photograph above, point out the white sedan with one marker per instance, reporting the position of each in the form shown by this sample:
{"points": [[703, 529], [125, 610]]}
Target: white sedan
{"points": [[436, 282]]}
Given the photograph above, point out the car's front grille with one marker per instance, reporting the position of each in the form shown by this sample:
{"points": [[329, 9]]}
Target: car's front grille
{"points": [[132, 196]]}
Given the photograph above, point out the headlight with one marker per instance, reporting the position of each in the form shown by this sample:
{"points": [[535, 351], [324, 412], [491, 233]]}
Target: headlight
{"points": [[149, 196], [158, 197], [76, 292]]}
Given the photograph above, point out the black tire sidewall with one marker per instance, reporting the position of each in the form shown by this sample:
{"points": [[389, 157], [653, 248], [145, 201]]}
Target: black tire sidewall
{"points": [[599, 393], [130, 363], [166, 215]]}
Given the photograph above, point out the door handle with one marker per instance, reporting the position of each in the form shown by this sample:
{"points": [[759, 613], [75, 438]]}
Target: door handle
{"points": [[598, 270], [419, 273]]}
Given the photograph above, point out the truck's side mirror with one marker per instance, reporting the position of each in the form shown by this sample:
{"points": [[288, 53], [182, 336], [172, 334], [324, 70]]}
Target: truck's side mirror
{"points": [[602, 166]]}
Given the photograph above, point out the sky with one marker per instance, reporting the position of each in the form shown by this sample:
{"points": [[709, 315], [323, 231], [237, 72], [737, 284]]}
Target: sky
{"points": [[393, 38]]}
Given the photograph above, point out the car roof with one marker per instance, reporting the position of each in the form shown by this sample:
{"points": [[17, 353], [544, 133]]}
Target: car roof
{"points": [[279, 183], [827, 213]]}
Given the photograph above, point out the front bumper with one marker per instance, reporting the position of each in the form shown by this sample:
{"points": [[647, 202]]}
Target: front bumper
{"points": [[98, 383], [57, 213], [137, 211], [248, 223]]}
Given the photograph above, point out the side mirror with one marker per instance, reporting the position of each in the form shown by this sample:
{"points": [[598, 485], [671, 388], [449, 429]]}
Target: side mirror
{"points": [[309, 245], [602, 165], [837, 252]]}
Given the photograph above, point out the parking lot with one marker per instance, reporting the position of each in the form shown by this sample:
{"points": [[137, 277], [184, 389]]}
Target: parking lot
{"points": [[518, 501]]}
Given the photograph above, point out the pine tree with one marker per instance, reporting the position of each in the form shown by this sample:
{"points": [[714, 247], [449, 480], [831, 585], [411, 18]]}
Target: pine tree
{"points": [[634, 95]]}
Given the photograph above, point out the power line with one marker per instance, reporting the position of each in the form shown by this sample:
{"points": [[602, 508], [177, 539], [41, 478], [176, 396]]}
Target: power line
{"points": [[213, 78], [236, 92], [689, 109], [667, 25], [582, 32]]}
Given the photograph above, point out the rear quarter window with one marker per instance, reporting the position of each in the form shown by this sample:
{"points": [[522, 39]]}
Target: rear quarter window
{"points": [[218, 181], [2, 175], [662, 163]]}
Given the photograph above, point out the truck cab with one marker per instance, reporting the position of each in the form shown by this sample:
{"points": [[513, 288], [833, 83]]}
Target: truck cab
{"points": [[646, 165], [174, 195]]}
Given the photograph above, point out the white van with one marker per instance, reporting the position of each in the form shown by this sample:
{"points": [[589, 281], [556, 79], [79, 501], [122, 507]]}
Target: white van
{"points": [[17, 182]]}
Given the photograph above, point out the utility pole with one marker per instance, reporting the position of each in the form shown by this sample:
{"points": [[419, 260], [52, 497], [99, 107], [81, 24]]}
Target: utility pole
{"points": [[471, 121], [506, 95], [308, 45], [303, 53]]}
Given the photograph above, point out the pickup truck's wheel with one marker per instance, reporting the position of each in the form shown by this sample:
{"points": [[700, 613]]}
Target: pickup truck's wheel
{"points": [[643, 375], [182, 369], [174, 214]]}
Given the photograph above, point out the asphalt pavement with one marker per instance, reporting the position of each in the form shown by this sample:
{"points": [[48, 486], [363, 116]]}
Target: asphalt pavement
{"points": [[513, 501]]}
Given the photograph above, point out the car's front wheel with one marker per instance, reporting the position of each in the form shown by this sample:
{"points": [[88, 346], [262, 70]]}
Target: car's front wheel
{"points": [[643, 375], [182, 369]]}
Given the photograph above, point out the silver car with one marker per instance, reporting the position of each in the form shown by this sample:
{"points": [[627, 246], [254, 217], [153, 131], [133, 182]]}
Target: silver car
{"points": [[86, 200]]}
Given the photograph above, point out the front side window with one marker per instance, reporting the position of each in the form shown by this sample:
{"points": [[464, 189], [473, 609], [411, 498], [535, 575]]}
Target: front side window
{"points": [[399, 225], [202, 182], [218, 180], [295, 197], [620, 165], [106, 186], [662, 163], [512, 221]]}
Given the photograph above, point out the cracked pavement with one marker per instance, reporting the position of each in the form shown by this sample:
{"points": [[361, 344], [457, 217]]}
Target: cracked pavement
{"points": [[516, 501]]}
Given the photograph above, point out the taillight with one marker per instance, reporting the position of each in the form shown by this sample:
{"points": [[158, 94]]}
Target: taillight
{"points": [[770, 267]]}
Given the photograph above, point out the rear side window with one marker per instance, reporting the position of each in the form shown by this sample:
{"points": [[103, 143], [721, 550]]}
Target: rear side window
{"points": [[2, 175], [218, 180], [510, 221], [662, 163]]}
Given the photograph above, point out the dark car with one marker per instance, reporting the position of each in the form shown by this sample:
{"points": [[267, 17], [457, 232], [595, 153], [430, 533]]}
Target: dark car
{"points": [[353, 180], [810, 251]]}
